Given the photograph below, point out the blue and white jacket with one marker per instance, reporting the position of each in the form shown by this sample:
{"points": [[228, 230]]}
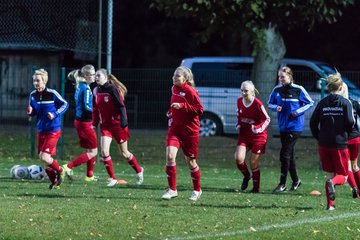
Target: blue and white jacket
{"points": [[292, 98], [83, 102], [44, 102]]}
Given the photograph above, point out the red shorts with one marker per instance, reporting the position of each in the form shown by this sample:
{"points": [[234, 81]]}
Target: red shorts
{"points": [[87, 135], [353, 146], [257, 146], [189, 144], [120, 135], [47, 142], [334, 160]]}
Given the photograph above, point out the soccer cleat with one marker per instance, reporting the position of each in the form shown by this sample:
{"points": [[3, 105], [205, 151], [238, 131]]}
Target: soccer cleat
{"points": [[169, 194], [195, 195], [255, 190], [280, 188], [330, 208], [245, 183], [331, 188], [60, 177], [54, 186], [91, 179], [112, 182], [68, 171], [140, 177], [295, 185], [355, 192]]}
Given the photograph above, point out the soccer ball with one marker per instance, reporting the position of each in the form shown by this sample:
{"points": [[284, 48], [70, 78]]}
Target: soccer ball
{"points": [[36, 172], [20, 172], [12, 174]]}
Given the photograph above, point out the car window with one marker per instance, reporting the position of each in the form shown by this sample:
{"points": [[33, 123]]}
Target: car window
{"points": [[225, 75], [305, 76]]}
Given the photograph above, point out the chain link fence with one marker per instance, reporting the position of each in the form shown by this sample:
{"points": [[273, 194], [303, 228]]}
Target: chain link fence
{"points": [[50, 24]]}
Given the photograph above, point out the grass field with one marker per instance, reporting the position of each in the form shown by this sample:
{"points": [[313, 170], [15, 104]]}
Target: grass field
{"points": [[81, 210]]}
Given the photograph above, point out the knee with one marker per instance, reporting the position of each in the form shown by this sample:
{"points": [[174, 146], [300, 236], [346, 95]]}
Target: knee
{"points": [[92, 153], [170, 157], [192, 163]]}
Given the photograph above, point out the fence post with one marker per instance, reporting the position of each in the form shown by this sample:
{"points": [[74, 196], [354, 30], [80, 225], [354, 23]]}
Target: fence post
{"points": [[62, 92]]}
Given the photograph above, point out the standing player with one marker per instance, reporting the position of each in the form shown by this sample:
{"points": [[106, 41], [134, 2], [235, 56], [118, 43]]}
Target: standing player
{"points": [[109, 109], [252, 124], [83, 121], [48, 106], [183, 131], [331, 123], [353, 146], [290, 101]]}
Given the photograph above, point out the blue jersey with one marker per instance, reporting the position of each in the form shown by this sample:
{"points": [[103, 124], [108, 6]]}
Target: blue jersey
{"points": [[292, 98], [44, 102], [83, 102]]}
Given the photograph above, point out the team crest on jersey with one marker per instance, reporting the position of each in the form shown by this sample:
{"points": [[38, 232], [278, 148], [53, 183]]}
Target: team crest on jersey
{"points": [[182, 94], [106, 99]]}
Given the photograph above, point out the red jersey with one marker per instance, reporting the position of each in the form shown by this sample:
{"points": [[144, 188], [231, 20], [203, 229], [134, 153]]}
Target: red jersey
{"points": [[186, 118], [252, 119], [108, 106]]}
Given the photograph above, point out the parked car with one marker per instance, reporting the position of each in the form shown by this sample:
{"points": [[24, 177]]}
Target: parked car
{"points": [[218, 81]]}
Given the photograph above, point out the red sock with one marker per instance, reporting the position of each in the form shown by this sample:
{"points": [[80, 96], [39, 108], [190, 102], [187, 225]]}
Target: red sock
{"points": [[171, 175], [51, 174], [82, 158], [109, 166], [134, 164], [351, 179], [357, 178], [339, 180], [243, 168], [195, 175], [90, 167], [54, 165], [329, 202], [256, 179]]}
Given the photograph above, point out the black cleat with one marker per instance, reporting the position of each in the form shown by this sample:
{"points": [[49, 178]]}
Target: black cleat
{"points": [[245, 183], [355, 192], [280, 188], [295, 185], [331, 188]]}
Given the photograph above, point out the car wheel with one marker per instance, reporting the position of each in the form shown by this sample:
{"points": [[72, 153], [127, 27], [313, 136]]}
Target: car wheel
{"points": [[210, 125]]}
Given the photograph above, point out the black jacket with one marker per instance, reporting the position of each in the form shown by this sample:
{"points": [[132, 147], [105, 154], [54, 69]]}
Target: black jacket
{"points": [[332, 121]]}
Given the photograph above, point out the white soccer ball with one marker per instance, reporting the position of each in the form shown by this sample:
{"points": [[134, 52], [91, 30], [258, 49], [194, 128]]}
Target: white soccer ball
{"points": [[36, 172], [12, 174], [21, 172]]}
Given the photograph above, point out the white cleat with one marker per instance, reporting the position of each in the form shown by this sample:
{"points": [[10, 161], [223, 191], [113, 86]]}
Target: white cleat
{"points": [[169, 194], [140, 177], [195, 195], [112, 182]]}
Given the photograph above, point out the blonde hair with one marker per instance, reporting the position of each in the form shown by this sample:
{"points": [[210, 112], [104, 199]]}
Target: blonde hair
{"points": [[188, 75], [288, 72], [43, 73], [114, 81], [334, 82], [251, 85], [87, 70], [75, 75]]}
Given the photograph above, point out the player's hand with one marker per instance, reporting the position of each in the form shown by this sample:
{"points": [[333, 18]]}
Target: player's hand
{"points": [[50, 116], [29, 110], [279, 108], [237, 127], [175, 105]]}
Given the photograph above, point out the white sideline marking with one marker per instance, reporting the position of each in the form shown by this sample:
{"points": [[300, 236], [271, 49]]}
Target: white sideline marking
{"points": [[267, 227]]}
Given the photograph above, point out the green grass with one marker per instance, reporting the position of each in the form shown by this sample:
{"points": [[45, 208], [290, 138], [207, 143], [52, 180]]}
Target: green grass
{"points": [[80, 210]]}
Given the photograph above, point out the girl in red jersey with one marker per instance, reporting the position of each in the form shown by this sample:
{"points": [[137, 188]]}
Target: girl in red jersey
{"points": [[84, 78], [183, 131], [252, 124], [331, 123], [353, 146], [109, 109]]}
